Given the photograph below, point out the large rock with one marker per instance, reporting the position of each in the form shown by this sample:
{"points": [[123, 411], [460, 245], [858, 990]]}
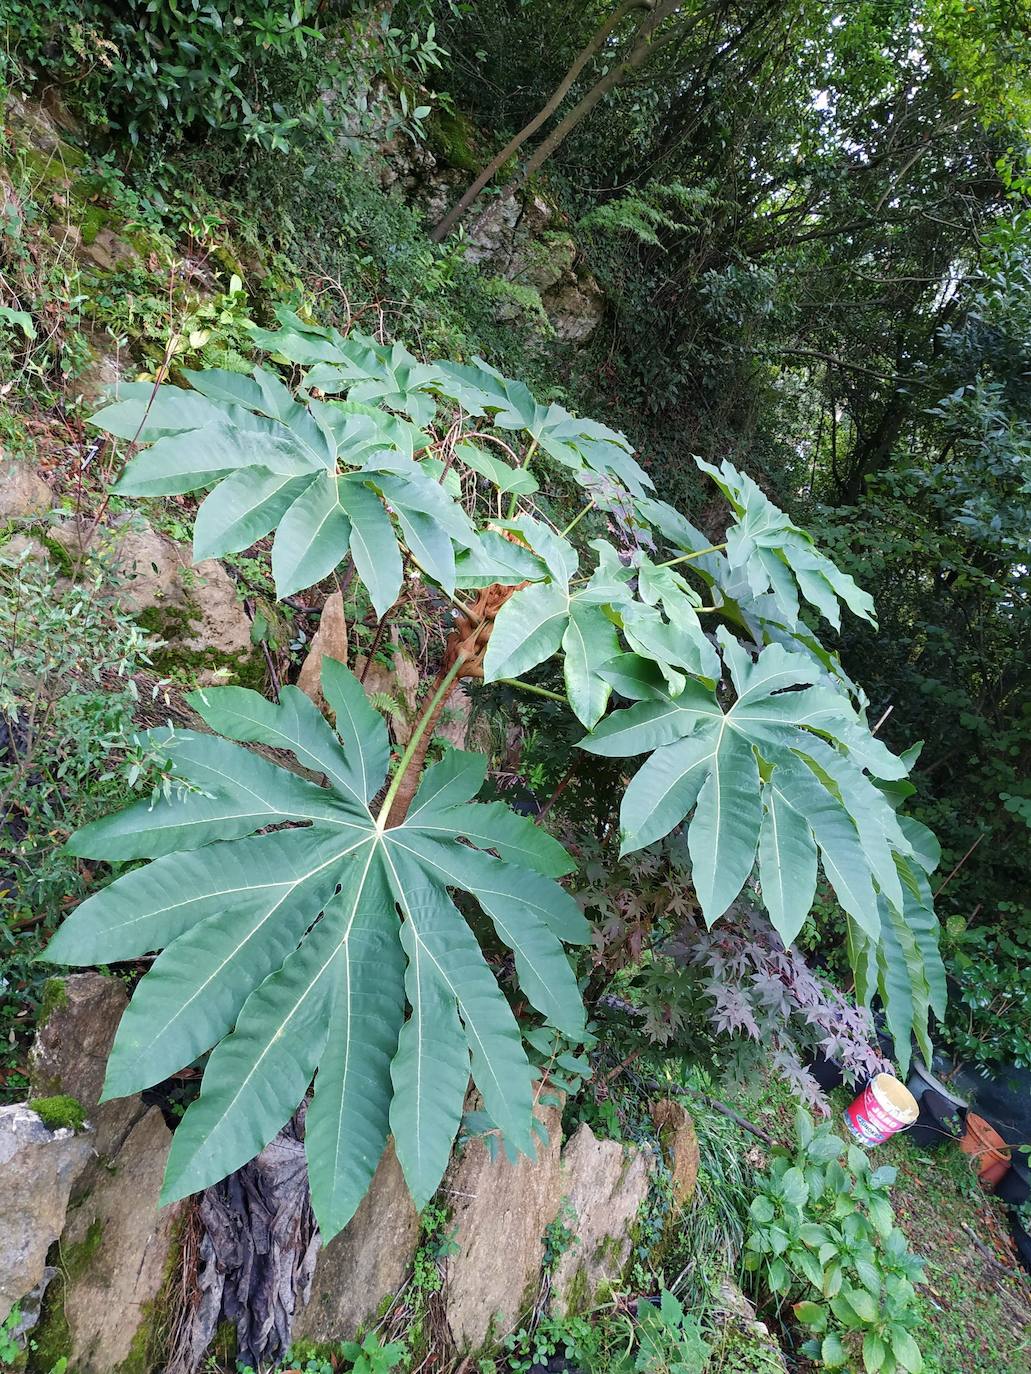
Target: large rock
{"points": [[575, 309], [366, 1263], [679, 1142], [23, 493], [37, 1170], [119, 1246], [196, 607], [80, 1015], [499, 1212], [604, 1184]]}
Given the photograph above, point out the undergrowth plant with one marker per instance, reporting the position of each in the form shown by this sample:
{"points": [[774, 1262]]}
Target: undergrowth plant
{"points": [[309, 924], [822, 1236]]}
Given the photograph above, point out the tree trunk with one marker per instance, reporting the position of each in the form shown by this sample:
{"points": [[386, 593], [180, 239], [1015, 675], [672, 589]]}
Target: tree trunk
{"points": [[641, 51], [441, 231]]}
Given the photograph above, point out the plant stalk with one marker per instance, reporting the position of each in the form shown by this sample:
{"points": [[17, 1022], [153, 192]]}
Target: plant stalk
{"points": [[412, 748]]}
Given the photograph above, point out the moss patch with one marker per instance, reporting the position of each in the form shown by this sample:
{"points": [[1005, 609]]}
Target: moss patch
{"points": [[55, 997], [452, 137], [172, 623], [59, 1112]]}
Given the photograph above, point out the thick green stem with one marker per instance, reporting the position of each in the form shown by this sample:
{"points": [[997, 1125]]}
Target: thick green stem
{"points": [[430, 714], [514, 499], [687, 557], [530, 687], [576, 519]]}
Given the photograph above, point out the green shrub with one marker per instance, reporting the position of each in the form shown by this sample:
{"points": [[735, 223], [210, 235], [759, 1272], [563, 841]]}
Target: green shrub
{"points": [[822, 1236]]}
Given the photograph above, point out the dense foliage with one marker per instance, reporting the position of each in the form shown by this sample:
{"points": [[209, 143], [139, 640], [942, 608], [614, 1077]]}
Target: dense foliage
{"points": [[788, 773]]}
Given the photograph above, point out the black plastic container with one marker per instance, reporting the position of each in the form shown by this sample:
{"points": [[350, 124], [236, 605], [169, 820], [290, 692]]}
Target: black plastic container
{"points": [[1015, 1184], [1022, 1241], [938, 1123], [827, 1072]]}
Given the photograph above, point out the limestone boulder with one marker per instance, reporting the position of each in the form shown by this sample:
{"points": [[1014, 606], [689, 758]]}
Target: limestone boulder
{"points": [[119, 1247], [575, 308], [69, 1054], [679, 1142], [37, 1170], [604, 1186], [196, 606], [499, 1215], [23, 493], [366, 1263]]}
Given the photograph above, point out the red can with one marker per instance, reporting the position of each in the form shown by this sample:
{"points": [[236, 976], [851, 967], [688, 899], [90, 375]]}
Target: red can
{"points": [[883, 1107]]}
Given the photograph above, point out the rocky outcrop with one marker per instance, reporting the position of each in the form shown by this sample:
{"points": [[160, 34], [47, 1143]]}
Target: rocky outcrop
{"points": [[499, 1215], [38, 1168], [118, 1249], [77, 1027], [194, 608], [366, 1263], [605, 1184], [678, 1140], [23, 493]]}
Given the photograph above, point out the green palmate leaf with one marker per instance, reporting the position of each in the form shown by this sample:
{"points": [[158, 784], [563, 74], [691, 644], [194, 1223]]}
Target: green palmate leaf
{"points": [[290, 955], [707, 758], [505, 477], [312, 537], [243, 509], [589, 641], [771, 550], [527, 630], [346, 1127]]}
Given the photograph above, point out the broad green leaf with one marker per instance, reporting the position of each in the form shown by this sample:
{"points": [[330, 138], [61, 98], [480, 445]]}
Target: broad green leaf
{"points": [[151, 906], [589, 640], [787, 862], [200, 457], [636, 678], [429, 1072], [652, 724], [283, 953], [523, 924], [527, 630], [312, 538], [664, 789], [295, 724], [193, 992], [505, 477], [493, 825], [455, 778], [377, 558], [241, 794], [150, 412], [345, 1130], [256, 1077], [242, 509]]}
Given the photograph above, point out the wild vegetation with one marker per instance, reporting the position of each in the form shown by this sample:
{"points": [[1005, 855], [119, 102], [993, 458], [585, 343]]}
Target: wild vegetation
{"points": [[737, 665]]}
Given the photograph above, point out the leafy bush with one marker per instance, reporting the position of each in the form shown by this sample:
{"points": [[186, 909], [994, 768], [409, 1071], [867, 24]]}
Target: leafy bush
{"points": [[381, 481], [262, 71], [67, 695], [989, 1018], [822, 1236]]}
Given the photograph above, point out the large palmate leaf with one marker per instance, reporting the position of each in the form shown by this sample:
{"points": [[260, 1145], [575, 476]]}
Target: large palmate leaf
{"points": [[328, 479], [550, 615], [768, 560], [328, 947], [761, 778]]}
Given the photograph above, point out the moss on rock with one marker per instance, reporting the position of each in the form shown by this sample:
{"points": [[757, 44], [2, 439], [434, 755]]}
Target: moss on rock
{"points": [[60, 1112]]}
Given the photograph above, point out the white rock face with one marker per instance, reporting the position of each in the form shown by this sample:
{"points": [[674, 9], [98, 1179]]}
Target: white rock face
{"points": [[37, 1170]]}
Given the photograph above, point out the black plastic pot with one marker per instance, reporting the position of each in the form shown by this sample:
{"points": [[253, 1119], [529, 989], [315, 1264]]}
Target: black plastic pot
{"points": [[938, 1122], [827, 1072], [1015, 1184], [1022, 1241]]}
